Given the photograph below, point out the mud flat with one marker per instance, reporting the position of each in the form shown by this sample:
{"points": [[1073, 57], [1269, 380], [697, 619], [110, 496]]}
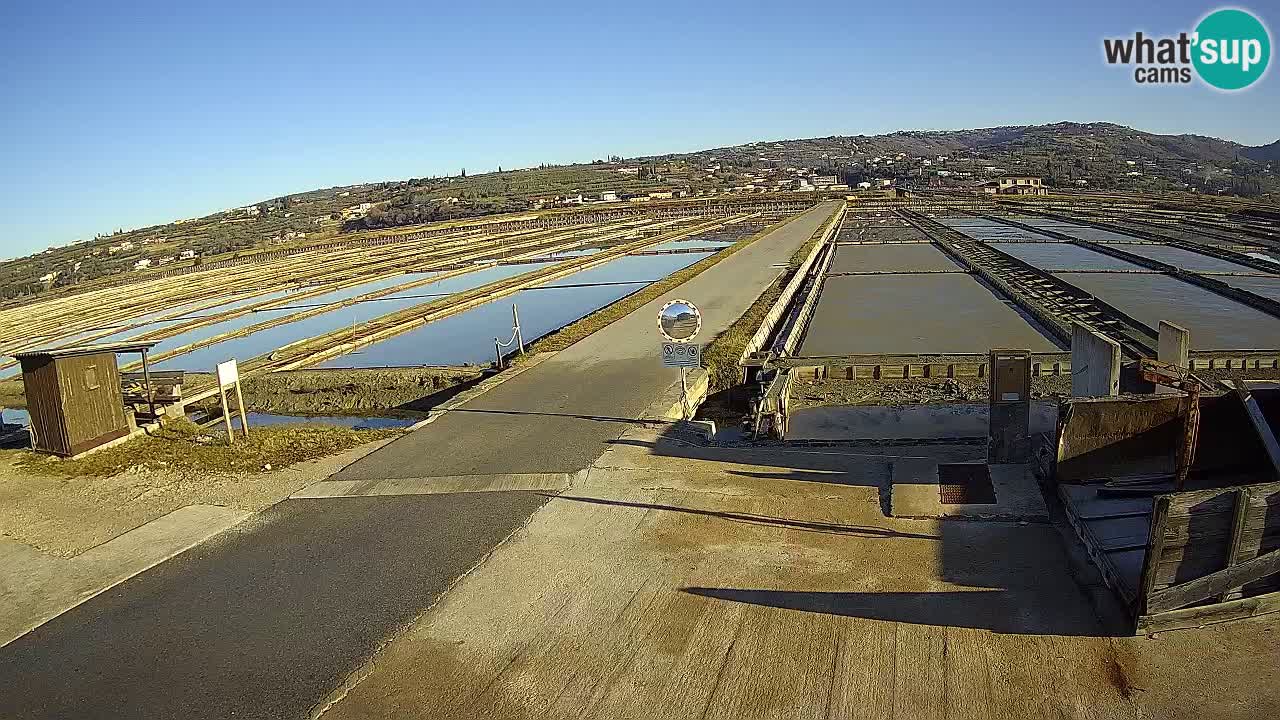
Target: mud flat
{"points": [[909, 257], [927, 313]]}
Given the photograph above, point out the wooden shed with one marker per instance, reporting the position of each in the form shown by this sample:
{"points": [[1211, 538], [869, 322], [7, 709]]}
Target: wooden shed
{"points": [[74, 396]]}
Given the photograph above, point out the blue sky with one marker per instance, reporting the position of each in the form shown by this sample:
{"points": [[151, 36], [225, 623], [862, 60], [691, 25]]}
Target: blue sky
{"points": [[130, 114]]}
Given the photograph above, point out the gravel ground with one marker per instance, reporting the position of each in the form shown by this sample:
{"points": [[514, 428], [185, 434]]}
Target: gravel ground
{"points": [[65, 516], [320, 392], [807, 392]]}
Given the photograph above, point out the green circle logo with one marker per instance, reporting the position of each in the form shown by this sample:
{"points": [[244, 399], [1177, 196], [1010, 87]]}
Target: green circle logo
{"points": [[1232, 48]]}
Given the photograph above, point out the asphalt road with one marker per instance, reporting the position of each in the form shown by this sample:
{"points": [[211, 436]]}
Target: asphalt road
{"points": [[264, 620], [558, 416]]}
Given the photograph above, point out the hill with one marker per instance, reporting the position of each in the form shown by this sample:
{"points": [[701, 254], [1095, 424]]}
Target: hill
{"points": [[1264, 153], [1090, 155], [1104, 155]]}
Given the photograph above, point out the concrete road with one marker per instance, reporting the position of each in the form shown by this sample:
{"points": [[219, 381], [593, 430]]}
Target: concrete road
{"points": [[690, 582], [267, 619], [558, 417], [264, 620], [700, 582]]}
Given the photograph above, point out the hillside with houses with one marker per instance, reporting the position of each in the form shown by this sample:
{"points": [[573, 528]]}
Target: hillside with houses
{"points": [[1075, 156]]}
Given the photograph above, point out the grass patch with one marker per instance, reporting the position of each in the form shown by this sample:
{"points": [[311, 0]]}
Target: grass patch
{"points": [[183, 445], [12, 394], [722, 354], [575, 331]]}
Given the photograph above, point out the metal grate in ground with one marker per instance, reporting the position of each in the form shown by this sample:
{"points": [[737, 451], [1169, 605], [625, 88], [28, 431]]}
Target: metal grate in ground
{"points": [[965, 484]]}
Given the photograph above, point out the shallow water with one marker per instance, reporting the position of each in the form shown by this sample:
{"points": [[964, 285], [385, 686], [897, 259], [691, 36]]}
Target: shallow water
{"points": [[467, 338], [264, 341]]}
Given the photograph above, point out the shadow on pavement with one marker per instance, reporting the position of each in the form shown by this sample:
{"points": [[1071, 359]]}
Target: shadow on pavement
{"points": [[598, 418], [753, 519], [865, 465], [1006, 577], [1000, 611]]}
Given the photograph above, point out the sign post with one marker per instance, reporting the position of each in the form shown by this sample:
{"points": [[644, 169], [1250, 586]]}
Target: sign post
{"points": [[229, 376], [679, 322]]}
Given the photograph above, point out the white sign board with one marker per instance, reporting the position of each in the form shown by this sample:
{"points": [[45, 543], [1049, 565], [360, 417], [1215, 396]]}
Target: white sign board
{"points": [[681, 354], [228, 373]]}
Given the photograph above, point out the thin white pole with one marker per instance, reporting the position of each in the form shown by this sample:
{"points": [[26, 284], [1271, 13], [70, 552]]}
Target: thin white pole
{"points": [[515, 318]]}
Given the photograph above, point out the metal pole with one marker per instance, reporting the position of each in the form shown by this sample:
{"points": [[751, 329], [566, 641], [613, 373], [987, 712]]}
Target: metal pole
{"points": [[515, 318], [497, 352], [684, 391], [146, 377]]}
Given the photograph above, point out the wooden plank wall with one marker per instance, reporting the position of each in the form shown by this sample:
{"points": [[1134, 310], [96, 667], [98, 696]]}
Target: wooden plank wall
{"points": [[1200, 533], [44, 403], [92, 411], [1107, 437]]}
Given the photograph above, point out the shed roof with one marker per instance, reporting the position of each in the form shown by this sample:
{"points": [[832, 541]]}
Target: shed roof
{"points": [[120, 347]]}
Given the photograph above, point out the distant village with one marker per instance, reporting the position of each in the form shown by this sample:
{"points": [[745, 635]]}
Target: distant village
{"points": [[828, 166], [995, 180]]}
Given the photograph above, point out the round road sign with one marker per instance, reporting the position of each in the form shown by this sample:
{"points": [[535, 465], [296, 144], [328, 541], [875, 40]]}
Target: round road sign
{"points": [[679, 321]]}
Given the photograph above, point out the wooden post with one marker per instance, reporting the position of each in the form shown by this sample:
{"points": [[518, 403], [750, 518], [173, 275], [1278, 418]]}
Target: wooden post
{"points": [[229, 374], [1155, 548], [1238, 515], [146, 378], [1173, 347], [226, 415], [244, 421], [1187, 443]]}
